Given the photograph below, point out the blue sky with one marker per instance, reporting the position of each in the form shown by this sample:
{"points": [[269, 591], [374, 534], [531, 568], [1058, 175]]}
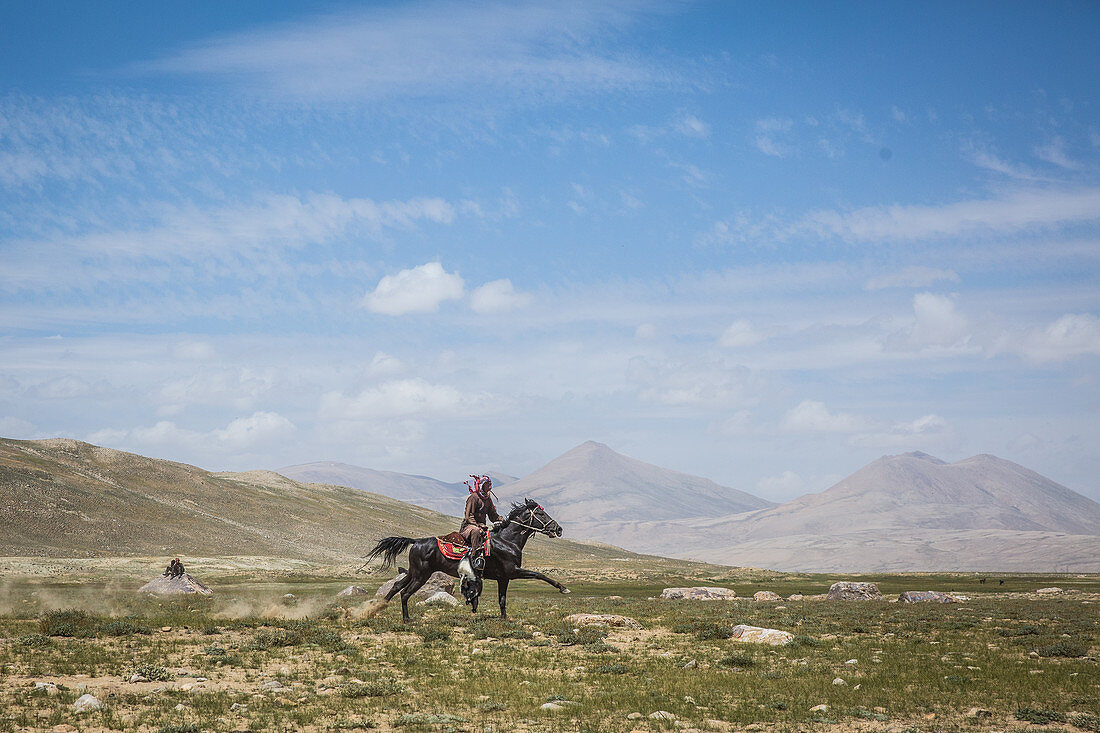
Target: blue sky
{"points": [[761, 243]]}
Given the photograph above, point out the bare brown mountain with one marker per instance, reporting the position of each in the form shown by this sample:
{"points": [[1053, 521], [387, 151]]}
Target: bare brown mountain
{"points": [[600, 494], [905, 512], [64, 498], [449, 498]]}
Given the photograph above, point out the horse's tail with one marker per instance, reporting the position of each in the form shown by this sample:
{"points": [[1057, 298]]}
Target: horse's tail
{"points": [[389, 548]]}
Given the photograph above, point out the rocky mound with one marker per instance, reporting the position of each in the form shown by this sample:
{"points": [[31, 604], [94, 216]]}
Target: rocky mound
{"points": [[184, 584]]}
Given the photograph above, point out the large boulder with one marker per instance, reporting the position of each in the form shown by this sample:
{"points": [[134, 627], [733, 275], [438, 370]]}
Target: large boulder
{"points": [[603, 619], [354, 590], [926, 596], [167, 586], [699, 594], [759, 635], [851, 591], [439, 582], [766, 595]]}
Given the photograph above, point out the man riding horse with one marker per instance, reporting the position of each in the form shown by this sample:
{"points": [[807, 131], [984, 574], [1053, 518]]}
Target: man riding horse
{"points": [[479, 510]]}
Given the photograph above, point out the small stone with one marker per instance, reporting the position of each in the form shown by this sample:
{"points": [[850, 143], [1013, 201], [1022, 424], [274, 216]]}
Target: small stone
{"points": [[979, 713], [166, 629], [180, 708], [201, 679], [238, 707], [766, 595], [272, 685], [662, 715], [822, 708], [837, 681], [289, 597], [634, 716], [603, 619], [87, 703], [138, 678], [552, 706], [1049, 591], [795, 597], [852, 661], [48, 687], [689, 665]]}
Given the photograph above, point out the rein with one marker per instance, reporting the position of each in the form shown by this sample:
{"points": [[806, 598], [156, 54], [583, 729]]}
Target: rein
{"points": [[528, 526]]}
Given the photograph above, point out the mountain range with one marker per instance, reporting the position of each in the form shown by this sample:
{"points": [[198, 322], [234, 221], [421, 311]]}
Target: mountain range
{"points": [[903, 512]]}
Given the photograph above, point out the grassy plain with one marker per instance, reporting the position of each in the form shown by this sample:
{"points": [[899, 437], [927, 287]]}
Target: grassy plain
{"points": [[248, 659]]}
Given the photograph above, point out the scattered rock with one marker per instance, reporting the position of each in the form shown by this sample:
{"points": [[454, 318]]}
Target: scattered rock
{"points": [[354, 590], [926, 596], [758, 635], [49, 688], [979, 713], [440, 598], [86, 704], [184, 584], [766, 595], [634, 716], [689, 665], [138, 678], [662, 715], [851, 591], [555, 706], [289, 597], [839, 682], [438, 582], [823, 708], [603, 619], [272, 685], [1049, 591], [238, 707], [852, 661], [699, 594]]}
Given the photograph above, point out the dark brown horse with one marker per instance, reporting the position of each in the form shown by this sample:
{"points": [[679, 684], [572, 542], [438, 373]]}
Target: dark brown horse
{"points": [[502, 564]]}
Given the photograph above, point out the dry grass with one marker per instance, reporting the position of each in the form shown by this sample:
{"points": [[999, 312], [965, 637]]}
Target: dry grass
{"points": [[917, 667]]}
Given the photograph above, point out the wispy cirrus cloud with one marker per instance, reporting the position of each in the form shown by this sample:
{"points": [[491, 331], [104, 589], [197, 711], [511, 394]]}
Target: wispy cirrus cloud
{"points": [[431, 50]]}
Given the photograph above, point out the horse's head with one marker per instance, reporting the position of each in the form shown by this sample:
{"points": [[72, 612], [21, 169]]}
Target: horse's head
{"points": [[531, 513]]}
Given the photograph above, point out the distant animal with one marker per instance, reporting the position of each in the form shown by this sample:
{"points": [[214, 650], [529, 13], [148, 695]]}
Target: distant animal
{"points": [[502, 563], [1000, 582], [982, 581]]}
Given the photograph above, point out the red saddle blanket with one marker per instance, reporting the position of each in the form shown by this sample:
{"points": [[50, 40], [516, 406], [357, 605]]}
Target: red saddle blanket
{"points": [[453, 546]]}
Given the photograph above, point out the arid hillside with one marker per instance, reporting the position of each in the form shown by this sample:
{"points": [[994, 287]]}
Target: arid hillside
{"points": [[65, 498]]}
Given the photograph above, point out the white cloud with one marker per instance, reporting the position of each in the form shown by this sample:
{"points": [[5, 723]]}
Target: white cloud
{"points": [[906, 435], [434, 49], [15, 427], [383, 364], [813, 417], [498, 296], [645, 331], [256, 429], [739, 333], [193, 351], [1055, 152], [767, 132], [1014, 212], [937, 322], [417, 290], [915, 276], [403, 398], [692, 126], [259, 430], [1074, 334]]}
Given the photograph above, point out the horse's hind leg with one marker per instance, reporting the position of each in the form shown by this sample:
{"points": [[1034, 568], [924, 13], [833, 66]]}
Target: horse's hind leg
{"points": [[413, 586], [502, 596], [399, 586], [524, 574]]}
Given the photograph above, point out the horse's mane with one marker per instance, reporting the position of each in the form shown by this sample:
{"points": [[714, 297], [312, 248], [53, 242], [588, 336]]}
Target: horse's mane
{"points": [[518, 509]]}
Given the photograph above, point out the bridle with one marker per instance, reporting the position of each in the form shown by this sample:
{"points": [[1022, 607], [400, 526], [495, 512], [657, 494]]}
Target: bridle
{"points": [[531, 518]]}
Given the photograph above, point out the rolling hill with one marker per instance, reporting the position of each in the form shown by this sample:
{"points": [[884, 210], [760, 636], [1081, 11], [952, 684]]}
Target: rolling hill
{"points": [[64, 498]]}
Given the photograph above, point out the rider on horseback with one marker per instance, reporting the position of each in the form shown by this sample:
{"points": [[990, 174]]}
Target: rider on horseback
{"points": [[479, 510]]}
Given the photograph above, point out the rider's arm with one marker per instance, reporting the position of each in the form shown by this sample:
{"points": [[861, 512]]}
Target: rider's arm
{"points": [[471, 502]]}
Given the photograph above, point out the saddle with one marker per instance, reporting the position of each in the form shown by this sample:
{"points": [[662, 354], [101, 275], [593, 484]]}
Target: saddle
{"points": [[453, 546]]}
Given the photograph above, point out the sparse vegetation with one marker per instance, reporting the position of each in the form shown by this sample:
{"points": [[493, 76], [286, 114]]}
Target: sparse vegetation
{"points": [[1023, 657]]}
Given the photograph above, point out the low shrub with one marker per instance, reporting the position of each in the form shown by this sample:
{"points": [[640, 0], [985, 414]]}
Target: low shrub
{"points": [[736, 660], [380, 687], [1040, 716], [123, 628], [1063, 649], [72, 623]]}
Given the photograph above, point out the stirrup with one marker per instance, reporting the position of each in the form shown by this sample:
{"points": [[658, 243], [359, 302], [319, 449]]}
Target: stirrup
{"points": [[478, 562]]}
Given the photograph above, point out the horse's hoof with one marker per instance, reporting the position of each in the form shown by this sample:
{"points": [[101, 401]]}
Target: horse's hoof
{"points": [[566, 590]]}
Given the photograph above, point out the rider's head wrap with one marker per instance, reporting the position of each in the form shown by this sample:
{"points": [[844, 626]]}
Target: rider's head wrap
{"points": [[481, 485]]}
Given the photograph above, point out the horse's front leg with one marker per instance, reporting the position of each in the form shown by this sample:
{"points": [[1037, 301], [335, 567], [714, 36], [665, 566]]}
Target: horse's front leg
{"points": [[502, 596], [525, 574]]}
